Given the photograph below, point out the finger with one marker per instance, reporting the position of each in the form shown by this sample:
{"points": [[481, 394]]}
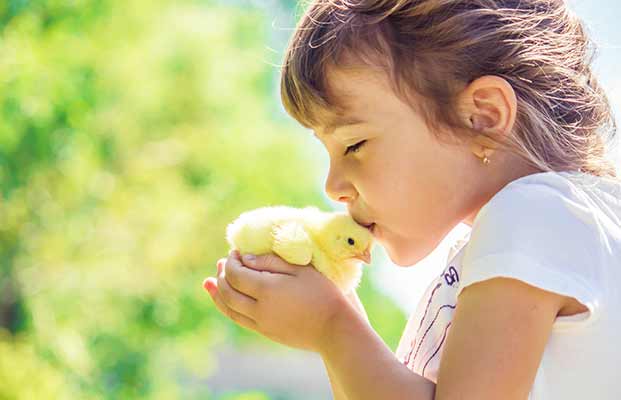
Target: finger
{"points": [[220, 265], [210, 285], [237, 317], [246, 280], [234, 299], [270, 262]]}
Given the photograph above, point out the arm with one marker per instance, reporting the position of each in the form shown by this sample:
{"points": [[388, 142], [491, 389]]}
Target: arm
{"points": [[355, 301], [337, 390], [496, 341], [364, 367], [495, 346]]}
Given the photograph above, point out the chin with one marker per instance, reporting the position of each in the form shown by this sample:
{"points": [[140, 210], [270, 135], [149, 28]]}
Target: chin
{"points": [[402, 258], [406, 262], [405, 257], [401, 263]]}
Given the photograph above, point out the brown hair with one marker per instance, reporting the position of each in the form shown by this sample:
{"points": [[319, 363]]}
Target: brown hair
{"points": [[431, 49]]}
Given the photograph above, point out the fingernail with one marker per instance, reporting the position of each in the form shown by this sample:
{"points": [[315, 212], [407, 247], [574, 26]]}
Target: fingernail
{"points": [[208, 285], [249, 259]]}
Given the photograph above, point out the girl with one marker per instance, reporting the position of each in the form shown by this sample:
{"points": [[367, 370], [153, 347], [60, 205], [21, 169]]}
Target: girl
{"points": [[436, 112]]}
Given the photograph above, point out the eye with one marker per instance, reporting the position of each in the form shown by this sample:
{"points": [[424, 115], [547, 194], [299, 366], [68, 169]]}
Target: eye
{"points": [[350, 241], [354, 148]]}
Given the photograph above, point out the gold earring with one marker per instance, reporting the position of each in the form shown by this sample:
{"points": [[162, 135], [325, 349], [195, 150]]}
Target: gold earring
{"points": [[486, 160]]}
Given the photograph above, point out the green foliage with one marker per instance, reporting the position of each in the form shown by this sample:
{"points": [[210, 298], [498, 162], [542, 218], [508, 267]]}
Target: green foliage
{"points": [[132, 133], [19, 363], [384, 315], [245, 396]]}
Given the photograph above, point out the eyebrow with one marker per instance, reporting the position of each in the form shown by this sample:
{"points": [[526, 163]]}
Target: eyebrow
{"points": [[341, 121]]}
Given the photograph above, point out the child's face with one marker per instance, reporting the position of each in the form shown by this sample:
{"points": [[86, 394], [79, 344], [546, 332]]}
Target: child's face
{"points": [[413, 187]]}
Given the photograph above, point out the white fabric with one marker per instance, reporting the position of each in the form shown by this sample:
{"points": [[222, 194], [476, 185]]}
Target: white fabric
{"points": [[558, 231]]}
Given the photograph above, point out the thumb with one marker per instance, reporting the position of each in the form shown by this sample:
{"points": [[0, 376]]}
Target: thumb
{"points": [[269, 262]]}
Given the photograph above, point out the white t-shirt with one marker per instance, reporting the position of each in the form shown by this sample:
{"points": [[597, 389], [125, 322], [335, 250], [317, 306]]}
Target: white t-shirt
{"points": [[558, 231]]}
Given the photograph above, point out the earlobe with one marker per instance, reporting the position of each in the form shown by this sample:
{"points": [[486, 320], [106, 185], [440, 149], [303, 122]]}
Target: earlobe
{"points": [[483, 146]]}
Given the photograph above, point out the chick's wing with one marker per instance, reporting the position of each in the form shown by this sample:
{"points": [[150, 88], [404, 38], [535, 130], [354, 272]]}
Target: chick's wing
{"points": [[292, 243]]}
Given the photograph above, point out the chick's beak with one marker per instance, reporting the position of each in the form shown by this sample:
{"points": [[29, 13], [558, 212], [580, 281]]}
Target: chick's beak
{"points": [[365, 256]]}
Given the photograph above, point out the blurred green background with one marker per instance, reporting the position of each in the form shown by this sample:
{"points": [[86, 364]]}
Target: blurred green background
{"points": [[131, 133]]}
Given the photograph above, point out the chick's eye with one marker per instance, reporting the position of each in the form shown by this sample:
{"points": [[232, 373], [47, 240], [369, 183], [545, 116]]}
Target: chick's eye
{"points": [[354, 148], [350, 241]]}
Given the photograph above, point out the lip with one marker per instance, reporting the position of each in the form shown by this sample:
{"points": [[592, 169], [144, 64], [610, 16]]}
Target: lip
{"points": [[360, 222], [373, 230], [371, 227]]}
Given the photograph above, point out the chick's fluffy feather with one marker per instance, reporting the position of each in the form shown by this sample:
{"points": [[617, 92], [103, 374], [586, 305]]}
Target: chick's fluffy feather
{"points": [[332, 242]]}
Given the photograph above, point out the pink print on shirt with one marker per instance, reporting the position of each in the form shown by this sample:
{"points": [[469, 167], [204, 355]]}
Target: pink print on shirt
{"points": [[422, 342]]}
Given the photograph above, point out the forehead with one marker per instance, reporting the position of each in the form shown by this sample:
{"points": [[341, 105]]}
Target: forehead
{"points": [[338, 121], [346, 85], [356, 94]]}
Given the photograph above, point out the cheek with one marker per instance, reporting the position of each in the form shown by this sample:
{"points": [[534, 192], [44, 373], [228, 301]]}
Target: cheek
{"points": [[397, 196], [404, 203]]}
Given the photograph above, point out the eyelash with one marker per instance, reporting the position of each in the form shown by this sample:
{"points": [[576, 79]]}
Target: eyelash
{"points": [[354, 147]]}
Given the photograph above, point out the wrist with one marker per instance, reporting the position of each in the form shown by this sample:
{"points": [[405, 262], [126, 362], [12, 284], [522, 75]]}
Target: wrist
{"points": [[343, 323]]}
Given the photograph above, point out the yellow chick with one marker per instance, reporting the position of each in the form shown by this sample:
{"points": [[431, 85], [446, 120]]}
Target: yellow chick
{"points": [[332, 242]]}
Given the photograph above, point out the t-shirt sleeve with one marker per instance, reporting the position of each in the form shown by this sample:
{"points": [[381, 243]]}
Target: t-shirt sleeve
{"points": [[543, 236]]}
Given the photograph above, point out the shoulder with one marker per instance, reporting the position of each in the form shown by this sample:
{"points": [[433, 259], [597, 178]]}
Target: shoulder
{"points": [[542, 232], [535, 210], [572, 193], [535, 194], [531, 257]]}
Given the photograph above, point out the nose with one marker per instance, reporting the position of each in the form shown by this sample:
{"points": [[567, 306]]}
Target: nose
{"points": [[338, 188]]}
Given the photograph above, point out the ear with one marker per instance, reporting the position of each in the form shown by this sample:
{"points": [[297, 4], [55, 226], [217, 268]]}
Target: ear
{"points": [[489, 105]]}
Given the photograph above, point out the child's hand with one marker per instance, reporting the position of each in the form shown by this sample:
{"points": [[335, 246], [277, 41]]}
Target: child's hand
{"points": [[289, 304]]}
